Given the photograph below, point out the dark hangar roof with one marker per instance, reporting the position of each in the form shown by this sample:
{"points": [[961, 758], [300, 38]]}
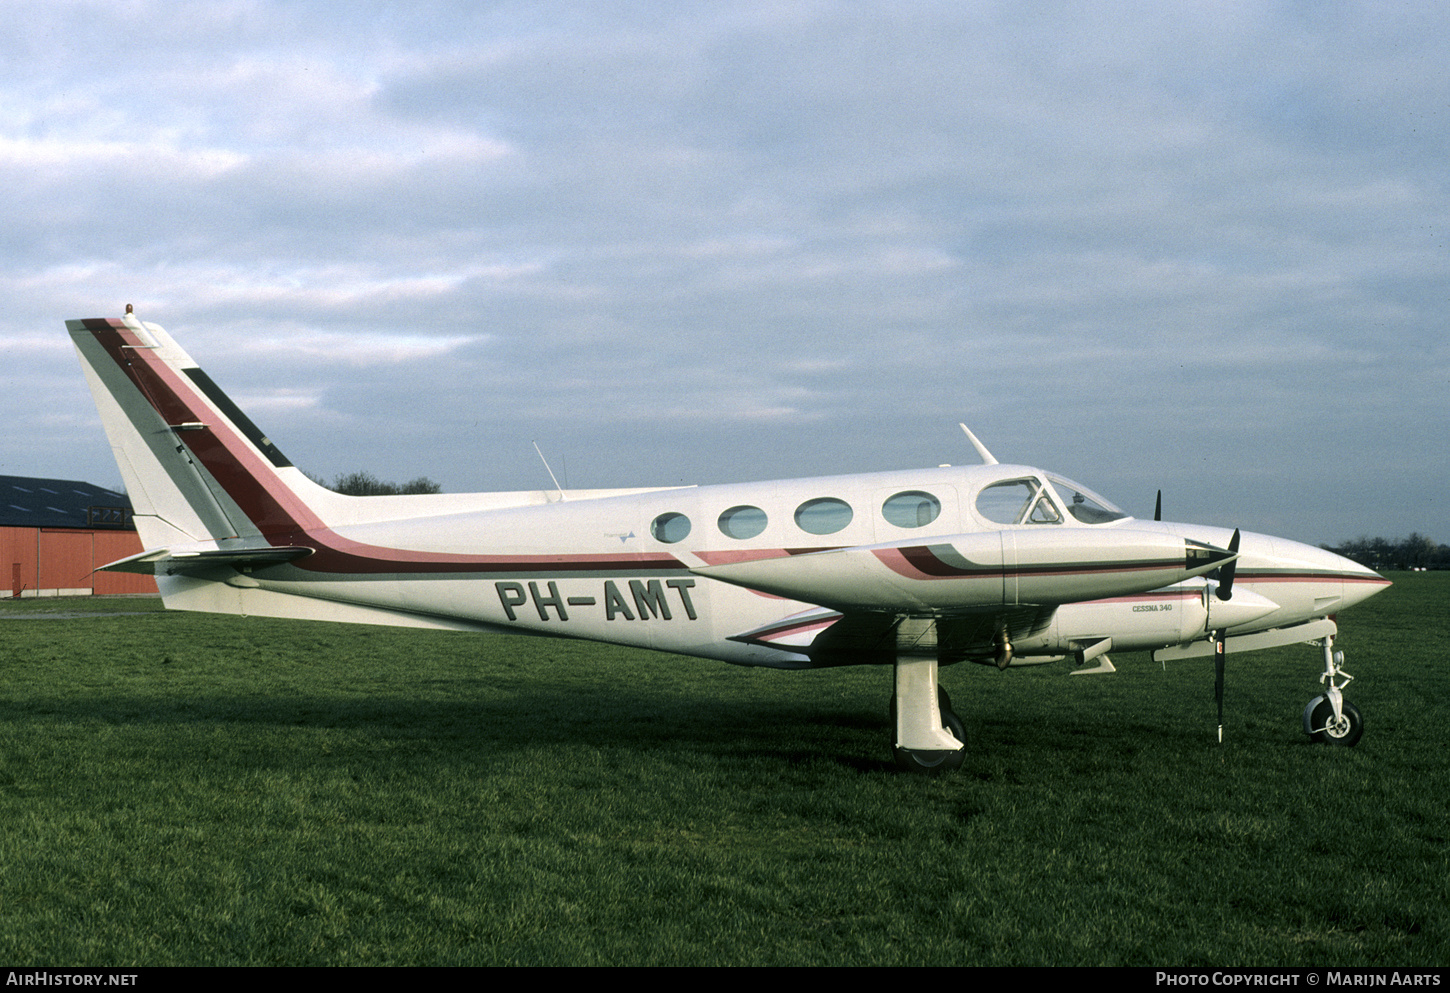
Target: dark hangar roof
{"points": [[61, 503]]}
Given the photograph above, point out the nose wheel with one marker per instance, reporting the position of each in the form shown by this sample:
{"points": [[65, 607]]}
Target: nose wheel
{"points": [[1329, 718], [1344, 728]]}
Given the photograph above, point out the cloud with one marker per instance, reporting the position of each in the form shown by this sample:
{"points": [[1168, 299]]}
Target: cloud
{"points": [[761, 239], [355, 350]]}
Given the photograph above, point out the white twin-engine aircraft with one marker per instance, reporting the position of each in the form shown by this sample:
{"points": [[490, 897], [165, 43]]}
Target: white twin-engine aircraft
{"points": [[999, 564]]}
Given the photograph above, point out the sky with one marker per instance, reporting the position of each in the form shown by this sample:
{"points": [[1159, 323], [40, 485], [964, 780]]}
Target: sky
{"points": [[1196, 247]]}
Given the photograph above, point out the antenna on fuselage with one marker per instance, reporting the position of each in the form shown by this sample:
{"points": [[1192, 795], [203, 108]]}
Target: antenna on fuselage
{"points": [[549, 471], [987, 457]]}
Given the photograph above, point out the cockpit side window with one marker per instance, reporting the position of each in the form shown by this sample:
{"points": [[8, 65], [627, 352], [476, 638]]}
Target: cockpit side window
{"points": [[1018, 501]]}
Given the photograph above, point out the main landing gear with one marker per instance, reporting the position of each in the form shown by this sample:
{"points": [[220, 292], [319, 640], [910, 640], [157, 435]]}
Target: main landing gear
{"points": [[926, 734], [1330, 718]]}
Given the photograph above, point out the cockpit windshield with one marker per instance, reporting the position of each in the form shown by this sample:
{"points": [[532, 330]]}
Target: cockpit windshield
{"points": [[1028, 500], [1083, 504]]}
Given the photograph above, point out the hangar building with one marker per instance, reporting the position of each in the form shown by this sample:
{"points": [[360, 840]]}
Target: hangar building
{"points": [[54, 534]]}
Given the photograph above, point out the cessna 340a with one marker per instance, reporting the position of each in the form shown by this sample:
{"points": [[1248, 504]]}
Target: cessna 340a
{"points": [[998, 564]]}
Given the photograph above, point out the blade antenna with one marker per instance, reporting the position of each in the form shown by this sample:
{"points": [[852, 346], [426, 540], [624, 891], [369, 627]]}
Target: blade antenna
{"points": [[987, 457], [1158, 507], [550, 472]]}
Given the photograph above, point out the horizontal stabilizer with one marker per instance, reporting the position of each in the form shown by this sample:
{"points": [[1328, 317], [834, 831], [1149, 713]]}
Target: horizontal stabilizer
{"points": [[167, 561]]}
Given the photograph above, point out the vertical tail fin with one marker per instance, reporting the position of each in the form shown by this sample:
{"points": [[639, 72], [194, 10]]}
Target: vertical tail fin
{"points": [[196, 468]]}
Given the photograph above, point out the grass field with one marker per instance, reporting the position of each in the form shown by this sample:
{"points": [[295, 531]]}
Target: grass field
{"points": [[193, 789]]}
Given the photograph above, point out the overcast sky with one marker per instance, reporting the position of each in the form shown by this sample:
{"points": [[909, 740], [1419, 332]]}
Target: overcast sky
{"points": [[1191, 246]]}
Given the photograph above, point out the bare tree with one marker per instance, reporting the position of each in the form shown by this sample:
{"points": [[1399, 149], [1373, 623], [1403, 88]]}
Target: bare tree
{"points": [[364, 483]]}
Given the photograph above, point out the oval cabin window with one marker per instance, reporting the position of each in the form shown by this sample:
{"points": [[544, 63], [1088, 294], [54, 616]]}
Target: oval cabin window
{"points": [[743, 522], [824, 515], [912, 509], [670, 528]]}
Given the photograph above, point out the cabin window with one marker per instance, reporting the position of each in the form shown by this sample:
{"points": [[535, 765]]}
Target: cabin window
{"points": [[912, 509], [1017, 501], [670, 528], [743, 522], [824, 515]]}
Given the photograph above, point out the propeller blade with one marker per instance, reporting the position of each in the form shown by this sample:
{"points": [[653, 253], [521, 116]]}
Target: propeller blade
{"points": [[1225, 592], [1218, 661], [1226, 571], [1158, 507]]}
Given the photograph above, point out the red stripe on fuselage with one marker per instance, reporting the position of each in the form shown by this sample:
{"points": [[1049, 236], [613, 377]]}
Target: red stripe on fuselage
{"points": [[742, 555]]}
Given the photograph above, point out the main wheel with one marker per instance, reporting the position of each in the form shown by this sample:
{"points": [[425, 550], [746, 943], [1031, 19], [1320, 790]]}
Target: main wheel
{"points": [[917, 760], [1346, 731]]}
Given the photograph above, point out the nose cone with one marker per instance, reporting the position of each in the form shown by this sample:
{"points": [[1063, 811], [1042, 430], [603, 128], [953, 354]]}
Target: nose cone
{"points": [[1339, 582], [1360, 582], [1306, 582]]}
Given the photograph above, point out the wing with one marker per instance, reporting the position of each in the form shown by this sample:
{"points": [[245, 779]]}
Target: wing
{"points": [[179, 561]]}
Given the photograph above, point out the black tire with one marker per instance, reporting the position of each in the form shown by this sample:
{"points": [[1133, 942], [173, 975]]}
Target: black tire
{"points": [[1346, 733], [916, 760]]}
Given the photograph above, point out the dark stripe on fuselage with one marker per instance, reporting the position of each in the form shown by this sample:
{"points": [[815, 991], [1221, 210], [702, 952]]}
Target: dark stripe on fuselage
{"points": [[945, 562], [1309, 576]]}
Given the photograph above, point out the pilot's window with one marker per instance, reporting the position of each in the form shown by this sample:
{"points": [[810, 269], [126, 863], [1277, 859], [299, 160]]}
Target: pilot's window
{"points": [[1017, 501], [1005, 503], [912, 509], [825, 515], [743, 522], [670, 528]]}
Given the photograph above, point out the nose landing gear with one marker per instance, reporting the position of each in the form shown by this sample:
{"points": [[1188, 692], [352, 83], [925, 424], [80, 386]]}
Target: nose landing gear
{"points": [[1329, 718]]}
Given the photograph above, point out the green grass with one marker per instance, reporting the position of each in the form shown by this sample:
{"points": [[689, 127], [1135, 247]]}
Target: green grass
{"points": [[192, 789]]}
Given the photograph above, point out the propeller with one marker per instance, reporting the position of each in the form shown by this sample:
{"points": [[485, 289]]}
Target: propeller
{"points": [[1227, 570], [1225, 592]]}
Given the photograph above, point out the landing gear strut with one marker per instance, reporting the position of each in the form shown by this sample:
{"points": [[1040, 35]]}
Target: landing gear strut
{"points": [[1330, 718], [926, 734]]}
